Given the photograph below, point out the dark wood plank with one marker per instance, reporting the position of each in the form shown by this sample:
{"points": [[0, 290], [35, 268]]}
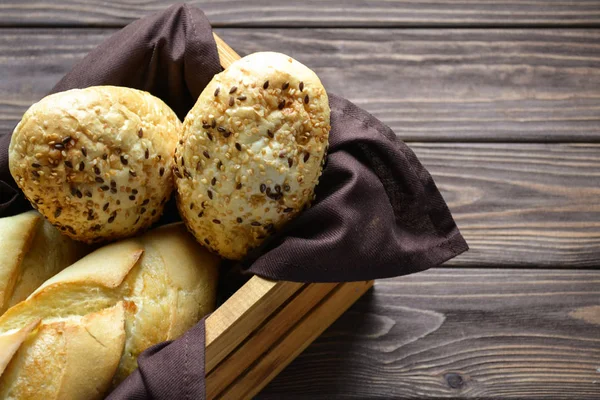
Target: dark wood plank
{"points": [[394, 13], [433, 85], [467, 333], [534, 205]]}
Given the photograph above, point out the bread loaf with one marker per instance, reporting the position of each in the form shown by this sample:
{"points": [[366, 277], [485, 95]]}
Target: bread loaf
{"points": [[89, 322], [96, 162], [252, 151], [31, 251]]}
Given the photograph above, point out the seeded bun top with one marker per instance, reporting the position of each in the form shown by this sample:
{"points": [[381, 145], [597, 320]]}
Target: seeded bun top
{"points": [[96, 162], [252, 151]]}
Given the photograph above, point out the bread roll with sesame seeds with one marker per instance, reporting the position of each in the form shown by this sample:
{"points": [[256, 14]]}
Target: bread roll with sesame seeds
{"points": [[252, 151], [96, 162]]}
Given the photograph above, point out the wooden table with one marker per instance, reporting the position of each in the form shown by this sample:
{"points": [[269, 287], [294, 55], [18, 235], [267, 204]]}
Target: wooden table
{"points": [[501, 102]]}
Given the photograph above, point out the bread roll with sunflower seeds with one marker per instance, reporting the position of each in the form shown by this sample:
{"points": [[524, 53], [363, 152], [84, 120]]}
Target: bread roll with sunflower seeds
{"points": [[252, 151], [96, 162]]}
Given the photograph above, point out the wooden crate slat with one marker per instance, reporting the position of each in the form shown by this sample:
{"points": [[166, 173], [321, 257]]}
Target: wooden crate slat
{"points": [[262, 339], [246, 309], [295, 341]]}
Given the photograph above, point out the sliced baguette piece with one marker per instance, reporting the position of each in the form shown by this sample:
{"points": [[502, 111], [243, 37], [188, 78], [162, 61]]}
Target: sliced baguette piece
{"points": [[31, 251], [163, 282]]}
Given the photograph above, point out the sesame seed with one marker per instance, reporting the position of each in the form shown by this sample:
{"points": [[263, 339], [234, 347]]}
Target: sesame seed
{"points": [[180, 142], [306, 156], [140, 133], [281, 104], [210, 194], [132, 197], [105, 157], [143, 210], [35, 174], [132, 173], [266, 85], [263, 187], [99, 180], [217, 91], [58, 146], [137, 220], [97, 170], [111, 219], [147, 154], [239, 220], [301, 86], [178, 174], [290, 162], [81, 166], [238, 147], [69, 164], [226, 134], [206, 241], [88, 193], [105, 207], [285, 86], [205, 153], [242, 98], [182, 161], [232, 90], [286, 187], [200, 214], [66, 140], [205, 126], [238, 186], [113, 190], [214, 123], [134, 191], [104, 188], [118, 202], [57, 212], [216, 221], [36, 165], [73, 191], [219, 164], [191, 206], [278, 188], [161, 171], [213, 181], [221, 129], [306, 99], [287, 210], [123, 160], [231, 101], [84, 151], [254, 223], [270, 134], [113, 183], [210, 137]]}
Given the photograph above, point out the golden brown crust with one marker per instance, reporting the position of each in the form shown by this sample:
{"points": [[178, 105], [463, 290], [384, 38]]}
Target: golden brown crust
{"points": [[96, 162], [31, 251], [163, 282], [251, 152]]}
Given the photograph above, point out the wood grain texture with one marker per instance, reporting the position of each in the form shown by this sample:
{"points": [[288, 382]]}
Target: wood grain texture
{"points": [[296, 13], [427, 85], [521, 205], [468, 333]]}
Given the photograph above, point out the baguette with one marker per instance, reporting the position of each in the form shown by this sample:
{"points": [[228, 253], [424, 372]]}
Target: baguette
{"points": [[31, 251], [89, 323]]}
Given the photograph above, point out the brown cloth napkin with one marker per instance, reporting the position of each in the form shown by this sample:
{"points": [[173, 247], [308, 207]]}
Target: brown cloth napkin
{"points": [[378, 212]]}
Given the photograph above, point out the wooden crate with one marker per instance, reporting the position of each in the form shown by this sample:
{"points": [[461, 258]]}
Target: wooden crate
{"points": [[263, 326]]}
